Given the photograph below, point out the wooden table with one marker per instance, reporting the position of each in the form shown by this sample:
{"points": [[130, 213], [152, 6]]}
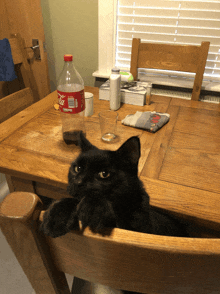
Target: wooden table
{"points": [[179, 165]]}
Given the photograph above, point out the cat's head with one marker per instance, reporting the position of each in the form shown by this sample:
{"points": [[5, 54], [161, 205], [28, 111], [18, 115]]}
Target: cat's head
{"points": [[98, 172]]}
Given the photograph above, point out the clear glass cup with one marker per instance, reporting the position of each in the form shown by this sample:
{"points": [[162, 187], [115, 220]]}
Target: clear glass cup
{"points": [[108, 124]]}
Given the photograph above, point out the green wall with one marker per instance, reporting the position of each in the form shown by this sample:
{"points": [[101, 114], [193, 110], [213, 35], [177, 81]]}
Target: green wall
{"points": [[71, 27]]}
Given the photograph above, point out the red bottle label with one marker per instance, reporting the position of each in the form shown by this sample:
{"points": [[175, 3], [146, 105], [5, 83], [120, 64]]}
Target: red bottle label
{"points": [[72, 102]]}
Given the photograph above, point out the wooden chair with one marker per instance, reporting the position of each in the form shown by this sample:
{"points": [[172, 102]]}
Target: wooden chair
{"points": [[15, 102], [124, 260], [186, 58]]}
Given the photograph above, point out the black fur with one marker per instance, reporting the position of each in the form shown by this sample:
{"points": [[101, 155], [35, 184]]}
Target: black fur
{"points": [[107, 193]]}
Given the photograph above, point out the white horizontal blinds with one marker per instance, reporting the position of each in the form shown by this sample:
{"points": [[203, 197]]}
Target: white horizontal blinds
{"points": [[179, 22]]}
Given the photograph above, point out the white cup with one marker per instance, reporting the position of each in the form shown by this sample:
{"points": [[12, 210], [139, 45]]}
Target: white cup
{"points": [[88, 104]]}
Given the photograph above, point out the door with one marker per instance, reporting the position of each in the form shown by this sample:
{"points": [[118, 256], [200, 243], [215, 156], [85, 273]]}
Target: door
{"points": [[25, 17]]}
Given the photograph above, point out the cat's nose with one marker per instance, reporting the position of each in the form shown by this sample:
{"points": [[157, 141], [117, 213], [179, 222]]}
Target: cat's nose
{"points": [[79, 181]]}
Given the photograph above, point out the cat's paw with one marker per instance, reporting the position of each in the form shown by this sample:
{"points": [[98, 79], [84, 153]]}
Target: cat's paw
{"points": [[99, 217], [60, 218]]}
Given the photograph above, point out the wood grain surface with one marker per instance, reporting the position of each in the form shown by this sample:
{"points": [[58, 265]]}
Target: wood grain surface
{"points": [[193, 155], [183, 156], [189, 203], [14, 103], [32, 141]]}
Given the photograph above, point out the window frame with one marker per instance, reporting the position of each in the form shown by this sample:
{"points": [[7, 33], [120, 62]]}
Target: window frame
{"points": [[107, 32], [106, 37]]}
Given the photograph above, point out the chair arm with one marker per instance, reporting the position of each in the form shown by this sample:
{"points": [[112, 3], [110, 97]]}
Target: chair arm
{"points": [[19, 214]]}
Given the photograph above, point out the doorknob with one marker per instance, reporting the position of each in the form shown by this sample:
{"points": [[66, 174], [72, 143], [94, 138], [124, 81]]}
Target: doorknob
{"points": [[36, 49]]}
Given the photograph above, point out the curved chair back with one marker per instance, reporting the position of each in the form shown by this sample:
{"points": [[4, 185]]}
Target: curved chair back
{"points": [[186, 58], [19, 100], [124, 260]]}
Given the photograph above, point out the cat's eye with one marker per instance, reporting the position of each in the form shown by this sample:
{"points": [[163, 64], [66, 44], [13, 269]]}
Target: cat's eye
{"points": [[77, 168], [104, 174]]}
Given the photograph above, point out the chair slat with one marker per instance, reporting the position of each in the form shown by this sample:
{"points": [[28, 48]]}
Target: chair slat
{"points": [[15, 50], [14, 103], [170, 57]]}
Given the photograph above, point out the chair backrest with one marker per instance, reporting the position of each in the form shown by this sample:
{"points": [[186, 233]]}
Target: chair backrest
{"points": [[14, 103], [186, 58], [124, 260], [19, 56]]}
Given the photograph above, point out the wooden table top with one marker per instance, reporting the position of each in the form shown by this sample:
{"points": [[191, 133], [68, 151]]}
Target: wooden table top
{"points": [[179, 165]]}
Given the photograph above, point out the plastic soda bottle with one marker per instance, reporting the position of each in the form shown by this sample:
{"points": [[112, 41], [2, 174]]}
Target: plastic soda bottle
{"points": [[70, 89]]}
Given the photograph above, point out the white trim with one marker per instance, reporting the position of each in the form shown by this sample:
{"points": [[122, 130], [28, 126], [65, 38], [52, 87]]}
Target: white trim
{"points": [[106, 33], [101, 74]]}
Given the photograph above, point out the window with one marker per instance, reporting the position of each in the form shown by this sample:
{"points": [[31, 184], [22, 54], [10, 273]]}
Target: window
{"points": [[179, 22]]}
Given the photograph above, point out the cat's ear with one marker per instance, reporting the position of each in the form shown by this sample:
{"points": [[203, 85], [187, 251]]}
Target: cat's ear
{"points": [[84, 144], [131, 150]]}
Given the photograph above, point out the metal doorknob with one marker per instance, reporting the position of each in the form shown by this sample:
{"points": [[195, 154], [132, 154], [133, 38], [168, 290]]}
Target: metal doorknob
{"points": [[36, 49]]}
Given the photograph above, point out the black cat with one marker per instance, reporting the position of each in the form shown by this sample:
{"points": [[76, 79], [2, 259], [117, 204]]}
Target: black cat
{"points": [[107, 193]]}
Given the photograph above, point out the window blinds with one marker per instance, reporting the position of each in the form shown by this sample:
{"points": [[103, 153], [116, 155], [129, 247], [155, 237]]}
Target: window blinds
{"points": [[174, 22]]}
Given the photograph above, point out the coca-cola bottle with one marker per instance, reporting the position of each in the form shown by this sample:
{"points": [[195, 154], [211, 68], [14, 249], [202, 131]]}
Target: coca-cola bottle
{"points": [[70, 89]]}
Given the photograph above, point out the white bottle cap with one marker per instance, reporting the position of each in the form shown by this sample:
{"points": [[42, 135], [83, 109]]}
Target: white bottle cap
{"points": [[115, 70]]}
